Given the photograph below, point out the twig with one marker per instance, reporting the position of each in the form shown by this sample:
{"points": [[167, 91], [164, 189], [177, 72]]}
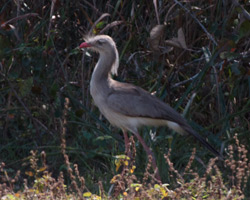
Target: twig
{"points": [[217, 90], [204, 29], [188, 104], [97, 21], [185, 81], [110, 25], [51, 14], [169, 10], [16, 29], [18, 7], [18, 18], [245, 13], [156, 11], [44, 127], [95, 10]]}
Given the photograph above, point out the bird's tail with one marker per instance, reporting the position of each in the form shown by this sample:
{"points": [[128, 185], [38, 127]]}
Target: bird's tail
{"points": [[204, 142]]}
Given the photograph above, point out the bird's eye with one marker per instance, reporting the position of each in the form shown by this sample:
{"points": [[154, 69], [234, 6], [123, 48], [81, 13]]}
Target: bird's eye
{"points": [[100, 42]]}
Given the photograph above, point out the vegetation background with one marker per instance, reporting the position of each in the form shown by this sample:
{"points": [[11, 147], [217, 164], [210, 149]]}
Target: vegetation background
{"points": [[192, 54]]}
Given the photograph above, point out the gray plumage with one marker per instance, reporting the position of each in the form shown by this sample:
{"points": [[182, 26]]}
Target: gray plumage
{"points": [[127, 106]]}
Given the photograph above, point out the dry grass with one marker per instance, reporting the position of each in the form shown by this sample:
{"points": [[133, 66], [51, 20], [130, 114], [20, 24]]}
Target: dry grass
{"points": [[125, 185]]}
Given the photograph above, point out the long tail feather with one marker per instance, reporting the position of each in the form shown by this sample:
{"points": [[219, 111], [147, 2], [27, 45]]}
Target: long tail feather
{"points": [[204, 142]]}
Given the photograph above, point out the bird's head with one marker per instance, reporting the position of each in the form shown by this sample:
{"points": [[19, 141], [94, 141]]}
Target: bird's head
{"points": [[99, 43], [104, 45]]}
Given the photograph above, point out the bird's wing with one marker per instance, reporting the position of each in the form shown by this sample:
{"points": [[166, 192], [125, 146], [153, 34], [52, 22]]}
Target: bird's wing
{"points": [[133, 101]]}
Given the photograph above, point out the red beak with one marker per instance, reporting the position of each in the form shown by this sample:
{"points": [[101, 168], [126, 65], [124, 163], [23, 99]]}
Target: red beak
{"points": [[84, 45]]}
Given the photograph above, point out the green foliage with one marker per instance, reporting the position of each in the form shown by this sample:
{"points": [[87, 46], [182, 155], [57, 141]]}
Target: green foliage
{"points": [[208, 80]]}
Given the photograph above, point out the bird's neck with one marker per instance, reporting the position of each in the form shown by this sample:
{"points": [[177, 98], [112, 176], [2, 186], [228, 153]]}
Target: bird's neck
{"points": [[101, 75], [103, 66]]}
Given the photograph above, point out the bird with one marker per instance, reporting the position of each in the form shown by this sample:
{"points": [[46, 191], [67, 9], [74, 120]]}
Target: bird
{"points": [[127, 106]]}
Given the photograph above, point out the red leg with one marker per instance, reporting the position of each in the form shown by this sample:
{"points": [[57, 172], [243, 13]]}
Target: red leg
{"points": [[125, 135], [149, 152]]}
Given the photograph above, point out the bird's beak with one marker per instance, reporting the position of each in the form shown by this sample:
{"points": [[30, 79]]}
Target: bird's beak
{"points": [[85, 45]]}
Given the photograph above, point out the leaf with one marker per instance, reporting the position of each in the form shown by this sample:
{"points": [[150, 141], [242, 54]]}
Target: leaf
{"points": [[75, 51], [29, 173], [207, 54], [133, 169], [42, 169], [54, 89], [96, 197], [113, 180], [244, 29], [105, 137], [179, 42], [118, 164], [234, 68], [122, 157], [100, 25], [17, 195], [135, 185], [87, 194], [8, 197], [48, 44], [173, 42], [181, 38], [25, 86], [157, 186], [164, 192], [228, 55], [155, 36], [165, 185]]}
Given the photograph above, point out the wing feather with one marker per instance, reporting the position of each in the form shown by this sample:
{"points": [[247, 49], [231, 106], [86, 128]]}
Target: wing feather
{"points": [[133, 101]]}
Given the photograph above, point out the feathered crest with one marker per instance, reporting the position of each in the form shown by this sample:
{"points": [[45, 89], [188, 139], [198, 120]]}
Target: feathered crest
{"points": [[115, 66]]}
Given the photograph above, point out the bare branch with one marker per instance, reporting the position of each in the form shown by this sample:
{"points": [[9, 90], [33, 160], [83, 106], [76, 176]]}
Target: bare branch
{"points": [[18, 18]]}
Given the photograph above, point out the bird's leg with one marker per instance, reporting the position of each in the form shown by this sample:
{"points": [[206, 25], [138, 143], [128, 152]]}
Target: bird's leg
{"points": [[125, 135], [149, 153]]}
